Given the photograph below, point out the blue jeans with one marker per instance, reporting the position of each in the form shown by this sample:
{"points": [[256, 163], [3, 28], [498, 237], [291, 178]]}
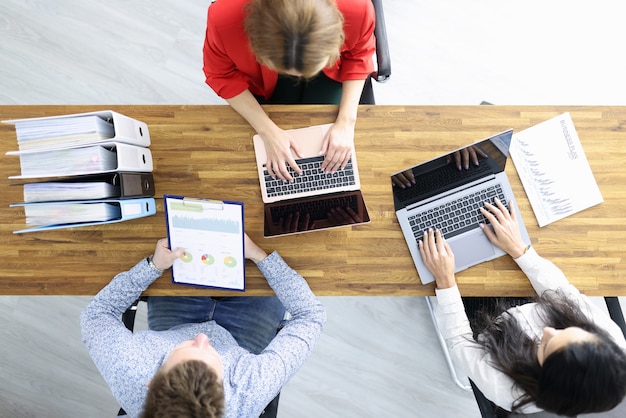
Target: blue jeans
{"points": [[252, 320]]}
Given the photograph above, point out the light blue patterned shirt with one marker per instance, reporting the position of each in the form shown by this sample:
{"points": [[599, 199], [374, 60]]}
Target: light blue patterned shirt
{"points": [[127, 360]]}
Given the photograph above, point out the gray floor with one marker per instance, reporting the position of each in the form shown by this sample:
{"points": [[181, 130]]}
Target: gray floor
{"points": [[378, 356]]}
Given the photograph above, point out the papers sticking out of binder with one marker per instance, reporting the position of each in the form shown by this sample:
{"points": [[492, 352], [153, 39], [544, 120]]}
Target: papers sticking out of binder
{"points": [[84, 160], [58, 191], [102, 186], [79, 129], [70, 212], [101, 164], [31, 133], [57, 215]]}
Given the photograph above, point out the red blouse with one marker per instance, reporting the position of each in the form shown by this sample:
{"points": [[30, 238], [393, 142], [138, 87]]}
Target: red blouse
{"points": [[230, 66]]}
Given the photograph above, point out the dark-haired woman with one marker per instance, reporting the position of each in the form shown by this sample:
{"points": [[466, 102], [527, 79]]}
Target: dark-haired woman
{"points": [[560, 354]]}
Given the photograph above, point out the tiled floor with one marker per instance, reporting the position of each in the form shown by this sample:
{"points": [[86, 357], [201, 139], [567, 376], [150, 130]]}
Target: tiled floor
{"points": [[378, 356]]}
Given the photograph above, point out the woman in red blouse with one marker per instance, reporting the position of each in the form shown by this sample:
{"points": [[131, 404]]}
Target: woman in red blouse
{"points": [[291, 51]]}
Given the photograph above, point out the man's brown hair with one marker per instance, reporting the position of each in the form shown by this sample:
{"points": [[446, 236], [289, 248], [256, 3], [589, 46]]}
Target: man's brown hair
{"points": [[301, 35], [189, 389]]}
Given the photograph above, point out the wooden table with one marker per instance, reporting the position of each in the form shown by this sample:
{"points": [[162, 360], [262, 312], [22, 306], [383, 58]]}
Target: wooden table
{"points": [[206, 151]]}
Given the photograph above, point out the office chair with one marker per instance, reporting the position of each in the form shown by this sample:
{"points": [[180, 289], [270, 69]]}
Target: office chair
{"points": [[383, 60], [489, 409], [128, 318]]}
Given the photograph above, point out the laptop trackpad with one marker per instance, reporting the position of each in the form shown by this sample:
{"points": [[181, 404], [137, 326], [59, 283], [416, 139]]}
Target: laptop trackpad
{"points": [[471, 250]]}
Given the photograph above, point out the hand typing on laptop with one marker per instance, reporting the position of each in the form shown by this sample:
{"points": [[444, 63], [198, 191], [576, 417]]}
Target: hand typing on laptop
{"points": [[448, 193], [504, 233], [337, 147], [337, 150], [282, 150], [278, 144]]}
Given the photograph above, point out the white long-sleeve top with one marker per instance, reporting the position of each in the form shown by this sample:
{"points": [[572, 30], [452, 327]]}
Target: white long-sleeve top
{"points": [[455, 328]]}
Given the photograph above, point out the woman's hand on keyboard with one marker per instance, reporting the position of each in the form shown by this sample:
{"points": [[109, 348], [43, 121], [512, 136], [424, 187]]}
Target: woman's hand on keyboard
{"points": [[438, 258], [277, 142], [505, 234], [277, 147], [337, 147]]}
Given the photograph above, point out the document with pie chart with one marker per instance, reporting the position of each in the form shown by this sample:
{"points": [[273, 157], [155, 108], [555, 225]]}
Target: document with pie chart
{"points": [[211, 232]]}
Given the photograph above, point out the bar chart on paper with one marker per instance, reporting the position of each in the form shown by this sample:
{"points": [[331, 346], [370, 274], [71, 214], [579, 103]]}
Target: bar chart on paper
{"points": [[208, 224], [211, 232], [554, 170]]}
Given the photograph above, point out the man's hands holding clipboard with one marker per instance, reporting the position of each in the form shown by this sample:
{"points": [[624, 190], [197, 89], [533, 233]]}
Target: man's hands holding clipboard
{"points": [[164, 257]]}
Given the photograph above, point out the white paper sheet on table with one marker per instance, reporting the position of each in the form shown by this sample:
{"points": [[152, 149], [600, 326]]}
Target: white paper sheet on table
{"points": [[554, 170]]}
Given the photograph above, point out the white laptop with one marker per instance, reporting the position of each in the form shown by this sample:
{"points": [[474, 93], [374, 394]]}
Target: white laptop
{"points": [[314, 200], [448, 198]]}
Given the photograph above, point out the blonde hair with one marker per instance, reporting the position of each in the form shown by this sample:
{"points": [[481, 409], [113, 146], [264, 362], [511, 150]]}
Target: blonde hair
{"points": [[300, 35]]}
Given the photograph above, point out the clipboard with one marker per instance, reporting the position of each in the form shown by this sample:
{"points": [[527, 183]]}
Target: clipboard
{"points": [[212, 234]]}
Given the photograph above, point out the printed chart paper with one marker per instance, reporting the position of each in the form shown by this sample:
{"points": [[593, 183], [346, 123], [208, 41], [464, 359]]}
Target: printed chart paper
{"points": [[211, 232], [554, 170]]}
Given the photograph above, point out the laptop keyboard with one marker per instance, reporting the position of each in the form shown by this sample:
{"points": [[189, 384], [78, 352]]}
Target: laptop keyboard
{"points": [[317, 209], [311, 179], [457, 216]]}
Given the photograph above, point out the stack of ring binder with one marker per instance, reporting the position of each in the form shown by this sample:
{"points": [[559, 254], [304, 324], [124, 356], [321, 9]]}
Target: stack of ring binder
{"points": [[92, 168]]}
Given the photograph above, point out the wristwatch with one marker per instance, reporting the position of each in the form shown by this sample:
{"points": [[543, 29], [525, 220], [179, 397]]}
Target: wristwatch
{"points": [[153, 266]]}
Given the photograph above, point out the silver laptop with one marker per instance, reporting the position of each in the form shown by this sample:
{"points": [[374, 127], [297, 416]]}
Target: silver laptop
{"points": [[314, 200], [448, 198]]}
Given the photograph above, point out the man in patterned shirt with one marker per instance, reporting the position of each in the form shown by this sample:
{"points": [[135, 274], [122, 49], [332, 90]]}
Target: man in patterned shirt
{"points": [[202, 355]]}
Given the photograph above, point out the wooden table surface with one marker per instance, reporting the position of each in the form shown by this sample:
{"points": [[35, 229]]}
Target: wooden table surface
{"points": [[207, 151]]}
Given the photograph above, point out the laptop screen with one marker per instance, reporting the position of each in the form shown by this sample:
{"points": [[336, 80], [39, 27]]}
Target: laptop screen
{"points": [[452, 170], [314, 213]]}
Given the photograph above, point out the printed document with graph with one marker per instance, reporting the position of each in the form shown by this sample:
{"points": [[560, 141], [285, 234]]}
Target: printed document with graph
{"points": [[211, 232], [554, 170]]}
